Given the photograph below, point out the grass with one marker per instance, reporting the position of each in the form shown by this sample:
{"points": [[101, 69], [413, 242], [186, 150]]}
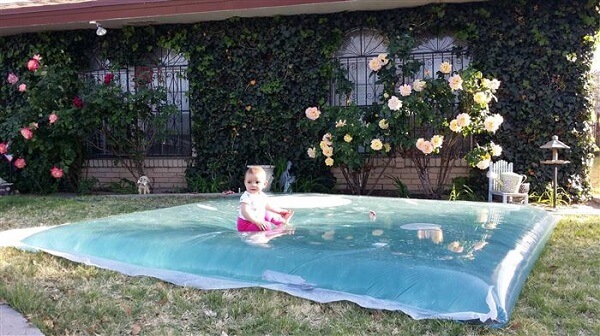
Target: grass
{"points": [[560, 297]]}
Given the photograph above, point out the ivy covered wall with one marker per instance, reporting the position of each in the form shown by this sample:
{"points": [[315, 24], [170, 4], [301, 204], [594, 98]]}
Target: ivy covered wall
{"points": [[251, 79]]}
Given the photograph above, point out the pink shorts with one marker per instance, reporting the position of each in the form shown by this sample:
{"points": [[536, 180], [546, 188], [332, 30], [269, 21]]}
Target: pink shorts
{"points": [[271, 217]]}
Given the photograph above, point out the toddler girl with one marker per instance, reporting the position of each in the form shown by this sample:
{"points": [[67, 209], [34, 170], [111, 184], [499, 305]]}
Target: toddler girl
{"points": [[256, 214]]}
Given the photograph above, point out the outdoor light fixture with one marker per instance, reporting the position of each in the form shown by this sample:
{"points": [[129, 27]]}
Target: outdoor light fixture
{"points": [[100, 31]]}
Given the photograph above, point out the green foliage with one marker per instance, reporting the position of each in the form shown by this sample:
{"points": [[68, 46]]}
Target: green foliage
{"points": [[123, 186], [197, 182], [129, 122], [401, 188], [87, 185], [461, 190], [547, 196]]}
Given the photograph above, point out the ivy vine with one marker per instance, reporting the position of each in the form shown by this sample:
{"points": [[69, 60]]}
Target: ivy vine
{"points": [[250, 79]]}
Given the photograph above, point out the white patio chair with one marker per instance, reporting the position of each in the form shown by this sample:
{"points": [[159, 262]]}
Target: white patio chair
{"points": [[495, 184]]}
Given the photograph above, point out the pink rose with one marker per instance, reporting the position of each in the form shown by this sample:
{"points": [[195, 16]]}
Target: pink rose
{"points": [[108, 78], [33, 64], [3, 148], [12, 79], [20, 163], [52, 118], [26, 133], [22, 88], [56, 172]]}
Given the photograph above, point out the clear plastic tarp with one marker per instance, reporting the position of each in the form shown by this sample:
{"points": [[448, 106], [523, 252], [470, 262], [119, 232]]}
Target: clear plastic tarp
{"points": [[464, 261]]}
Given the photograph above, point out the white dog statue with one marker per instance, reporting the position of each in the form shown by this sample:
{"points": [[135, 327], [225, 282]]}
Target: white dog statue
{"points": [[143, 185]]}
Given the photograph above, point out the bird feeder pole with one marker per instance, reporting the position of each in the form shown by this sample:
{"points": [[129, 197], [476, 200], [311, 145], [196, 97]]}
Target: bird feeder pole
{"points": [[554, 145]]}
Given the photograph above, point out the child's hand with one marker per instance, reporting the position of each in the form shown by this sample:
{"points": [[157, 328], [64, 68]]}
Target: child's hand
{"points": [[287, 215], [263, 225]]}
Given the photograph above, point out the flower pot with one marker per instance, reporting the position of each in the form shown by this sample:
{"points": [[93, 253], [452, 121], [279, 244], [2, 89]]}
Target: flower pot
{"points": [[511, 182], [270, 170]]}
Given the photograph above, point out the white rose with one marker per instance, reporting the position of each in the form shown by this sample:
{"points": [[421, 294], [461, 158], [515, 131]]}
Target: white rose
{"points": [[394, 103], [405, 90], [418, 85]]}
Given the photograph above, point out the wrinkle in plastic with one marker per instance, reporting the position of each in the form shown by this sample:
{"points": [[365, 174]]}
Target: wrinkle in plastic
{"points": [[429, 259]]}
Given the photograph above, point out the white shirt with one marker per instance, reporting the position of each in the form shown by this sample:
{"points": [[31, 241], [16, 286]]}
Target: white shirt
{"points": [[257, 202]]}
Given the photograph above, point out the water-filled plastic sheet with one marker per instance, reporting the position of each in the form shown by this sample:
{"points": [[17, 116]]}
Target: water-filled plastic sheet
{"points": [[430, 259]]}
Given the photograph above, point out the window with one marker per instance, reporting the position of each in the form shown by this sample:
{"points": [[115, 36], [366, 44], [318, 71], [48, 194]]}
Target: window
{"points": [[363, 44], [434, 51], [354, 55], [165, 69]]}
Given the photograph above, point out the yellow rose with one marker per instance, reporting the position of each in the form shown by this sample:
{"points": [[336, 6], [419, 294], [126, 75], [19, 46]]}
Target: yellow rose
{"points": [[383, 124], [383, 59], [376, 144], [387, 147], [437, 141], [328, 151], [312, 153], [463, 120], [454, 126], [446, 67], [347, 138], [375, 64], [496, 149], [481, 98], [455, 82], [329, 162]]}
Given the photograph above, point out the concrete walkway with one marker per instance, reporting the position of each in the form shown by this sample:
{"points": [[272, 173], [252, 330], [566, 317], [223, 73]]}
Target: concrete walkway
{"points": [[13, 323]]}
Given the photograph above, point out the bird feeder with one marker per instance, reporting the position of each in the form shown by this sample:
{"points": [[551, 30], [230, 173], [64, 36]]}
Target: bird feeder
{"points": [[554, 145]]}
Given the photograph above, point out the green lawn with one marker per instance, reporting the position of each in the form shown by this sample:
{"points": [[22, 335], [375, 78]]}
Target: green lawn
{"points": [[560, 297]]}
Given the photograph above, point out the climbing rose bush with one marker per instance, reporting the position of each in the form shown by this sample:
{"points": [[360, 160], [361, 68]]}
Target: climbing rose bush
{"points": [[27, 132], [41, 132], [417, 119]]}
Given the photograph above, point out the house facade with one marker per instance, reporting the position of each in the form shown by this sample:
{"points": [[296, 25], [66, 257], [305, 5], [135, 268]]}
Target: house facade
{"points": [[511, 50]]}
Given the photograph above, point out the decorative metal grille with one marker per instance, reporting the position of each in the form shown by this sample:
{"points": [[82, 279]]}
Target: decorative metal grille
{"points": [[360, 46], [166, 70], [363, 44]]}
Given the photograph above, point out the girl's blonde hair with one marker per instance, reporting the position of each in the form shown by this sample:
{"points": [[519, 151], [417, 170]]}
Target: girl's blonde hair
{"points": [[255, 170]]}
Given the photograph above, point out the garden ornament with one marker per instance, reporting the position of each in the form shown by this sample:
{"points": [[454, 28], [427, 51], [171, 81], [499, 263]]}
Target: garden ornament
{"points": [[143, 185], [287, 179]]}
